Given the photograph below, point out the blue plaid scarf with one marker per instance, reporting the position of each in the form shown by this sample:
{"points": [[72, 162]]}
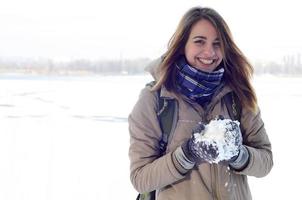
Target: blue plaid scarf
{"points": [[197, 85]]}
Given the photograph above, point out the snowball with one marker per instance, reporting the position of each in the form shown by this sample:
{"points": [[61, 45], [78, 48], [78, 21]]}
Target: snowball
{"points": [[221, 134]]}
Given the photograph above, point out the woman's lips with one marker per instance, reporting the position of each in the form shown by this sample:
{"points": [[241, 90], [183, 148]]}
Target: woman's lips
{"points": [[206, 61]]}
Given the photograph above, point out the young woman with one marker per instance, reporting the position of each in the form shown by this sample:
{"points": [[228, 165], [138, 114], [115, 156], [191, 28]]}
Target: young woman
{"points": [[201, 65]]}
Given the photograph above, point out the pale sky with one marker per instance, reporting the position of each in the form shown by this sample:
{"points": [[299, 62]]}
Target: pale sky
{"points": [[115, 29]]}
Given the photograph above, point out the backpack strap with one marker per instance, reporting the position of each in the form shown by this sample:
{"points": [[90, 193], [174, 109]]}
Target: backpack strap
{"points": [[167, 117], [233, 105], [146, 196]]}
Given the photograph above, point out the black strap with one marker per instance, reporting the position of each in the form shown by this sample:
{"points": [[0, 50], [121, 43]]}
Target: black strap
{"points": [[167, 108], [166, 116], [233, 105], [146, 196]]}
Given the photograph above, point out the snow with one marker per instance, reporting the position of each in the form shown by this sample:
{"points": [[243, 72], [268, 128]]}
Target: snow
{"points": [[68, 138], [221, 135]]}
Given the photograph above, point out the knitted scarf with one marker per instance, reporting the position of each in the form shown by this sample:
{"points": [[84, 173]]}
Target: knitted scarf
{"points": [[197, 85]]}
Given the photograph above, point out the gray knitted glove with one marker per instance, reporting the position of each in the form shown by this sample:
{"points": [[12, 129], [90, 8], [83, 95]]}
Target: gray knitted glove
{"points": [[198, 151], [193, 152]]}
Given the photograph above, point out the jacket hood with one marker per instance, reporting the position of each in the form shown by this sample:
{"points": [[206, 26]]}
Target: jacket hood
{"points": [[153, 68]]}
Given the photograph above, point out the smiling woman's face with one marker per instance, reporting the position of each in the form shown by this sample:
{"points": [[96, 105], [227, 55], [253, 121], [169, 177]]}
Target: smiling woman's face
{"points": [[203, 49]]}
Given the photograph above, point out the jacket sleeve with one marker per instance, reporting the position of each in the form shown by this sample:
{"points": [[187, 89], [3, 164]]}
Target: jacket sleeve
{"points": [[147, 171], [257, 143]]}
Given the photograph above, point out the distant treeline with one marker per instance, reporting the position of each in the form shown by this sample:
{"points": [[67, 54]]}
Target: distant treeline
{"points": [[289, 65], [75, 67]]}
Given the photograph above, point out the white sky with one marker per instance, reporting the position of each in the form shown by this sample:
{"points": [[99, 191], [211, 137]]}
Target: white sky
{"points": [[97, 29]]}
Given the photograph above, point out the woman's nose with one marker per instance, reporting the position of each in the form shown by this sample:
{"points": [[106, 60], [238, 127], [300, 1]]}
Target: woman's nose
{"points": [[208, 51]]}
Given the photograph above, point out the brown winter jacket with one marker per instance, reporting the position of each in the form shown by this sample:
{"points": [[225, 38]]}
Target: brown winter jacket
{"points": [[205, 181]]}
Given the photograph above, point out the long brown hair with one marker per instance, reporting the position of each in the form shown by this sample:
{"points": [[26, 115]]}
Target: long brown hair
{"points": [[238, 71]]}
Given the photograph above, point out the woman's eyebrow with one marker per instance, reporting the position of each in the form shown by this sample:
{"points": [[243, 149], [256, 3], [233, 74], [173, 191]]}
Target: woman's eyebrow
{"points": [[203, 37], [199, 37]]}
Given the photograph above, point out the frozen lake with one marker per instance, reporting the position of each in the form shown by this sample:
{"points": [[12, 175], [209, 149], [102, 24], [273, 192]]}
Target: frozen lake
{"points": [[67, 138]]}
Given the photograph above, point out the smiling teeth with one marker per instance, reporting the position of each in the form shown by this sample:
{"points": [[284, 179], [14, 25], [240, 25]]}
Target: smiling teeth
{"points": [[206, 61]]}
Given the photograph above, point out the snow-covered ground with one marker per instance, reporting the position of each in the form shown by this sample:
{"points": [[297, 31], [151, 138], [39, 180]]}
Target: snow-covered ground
{"points": [[67, 138]]}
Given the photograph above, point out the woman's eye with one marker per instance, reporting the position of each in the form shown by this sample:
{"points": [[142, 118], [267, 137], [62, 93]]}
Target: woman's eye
{"points": [[199, 42], [216, 45]]}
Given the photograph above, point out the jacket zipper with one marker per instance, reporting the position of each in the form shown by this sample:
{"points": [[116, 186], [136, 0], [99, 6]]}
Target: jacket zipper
{"points": [[216, 185], [213, 184]]}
